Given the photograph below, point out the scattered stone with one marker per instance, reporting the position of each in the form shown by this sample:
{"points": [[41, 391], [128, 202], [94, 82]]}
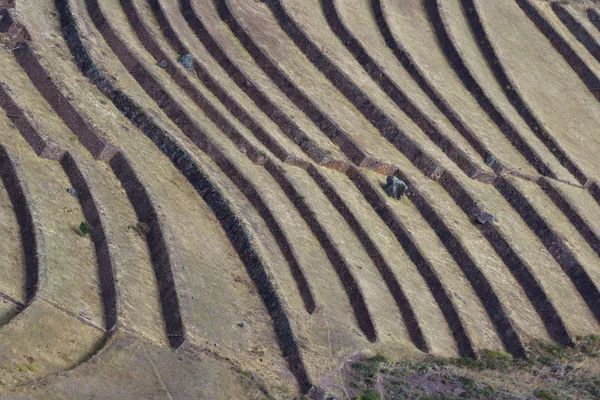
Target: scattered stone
{"points": [[72, 191], [491, 160], [395, 187], [162, 64], [186, 60], [242, 324], [486, 217]]}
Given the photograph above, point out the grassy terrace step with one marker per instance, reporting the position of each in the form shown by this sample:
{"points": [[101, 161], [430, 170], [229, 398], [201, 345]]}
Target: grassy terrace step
{"points": [[570, 20], [59, 214], [98, 235], [225, 58], [558, 246], [67, 301], [587, 74], [513, 89], [594, 18], [19, 277], [158, 248], [461, 49]]}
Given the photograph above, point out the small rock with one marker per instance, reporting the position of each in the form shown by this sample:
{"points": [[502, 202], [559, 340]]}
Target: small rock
{"points": [[72, 191], [491, 160], [242, 324], [162, 64], [395, 187], [186, 60], [486, 217]]}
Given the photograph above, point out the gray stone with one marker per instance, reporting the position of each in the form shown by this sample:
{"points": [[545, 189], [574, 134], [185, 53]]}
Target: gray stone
{"points": [[186, 60], [486, 217], [395, 187], [72, 191], [242, 324], [162, 64]]}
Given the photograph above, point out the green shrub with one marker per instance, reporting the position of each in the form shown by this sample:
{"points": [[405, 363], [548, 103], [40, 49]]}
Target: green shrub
{"points": [[84, 228]]}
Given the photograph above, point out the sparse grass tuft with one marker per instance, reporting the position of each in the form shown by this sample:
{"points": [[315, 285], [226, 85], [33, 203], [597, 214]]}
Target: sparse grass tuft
{"points": [[140, 228]]}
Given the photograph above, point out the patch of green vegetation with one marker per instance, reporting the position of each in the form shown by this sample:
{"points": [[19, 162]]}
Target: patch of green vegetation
{"points": [[544, 394], [590, 345], [85, 228], [370, 367], [370, 395], [32, 367], [21, 368]]}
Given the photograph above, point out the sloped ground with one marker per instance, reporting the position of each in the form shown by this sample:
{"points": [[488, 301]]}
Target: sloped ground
{"points": [[193, 192]]}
